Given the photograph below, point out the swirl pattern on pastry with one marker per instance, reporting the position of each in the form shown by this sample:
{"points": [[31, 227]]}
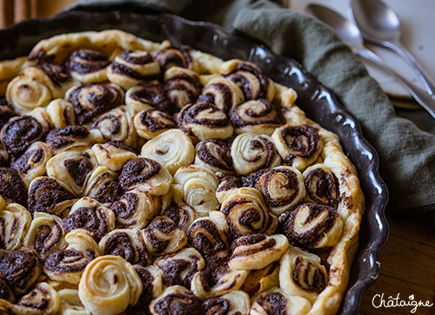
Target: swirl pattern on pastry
{"points": [[132, 67], [173, 149], [247, 213], [174, 56], [223, 93], [93, 99], [234, 303], [26, 94], [68, 264], [147, 96], [162, 237], [276, 301], [90, 215], [72, 138], [126, 243], [49, 195], [150, 123], [251, 80], [113, 155], [210, 236], [152, 284], [102, 185], [135, 209], [256, 251], [282, 187], [227, 186], [312, 226], [12, 187], [20, 269], [15, 221], [321, 185], [61, 113], [147, 175], [302, 274], [179, 268], [45, 234], [181, 214], [182, 86], [196, 186], [299, 145], [255, 116], [176, 300], [41, 300], [204, 121], [215, 155], [88, 66], [109, 285], [251, 152]]}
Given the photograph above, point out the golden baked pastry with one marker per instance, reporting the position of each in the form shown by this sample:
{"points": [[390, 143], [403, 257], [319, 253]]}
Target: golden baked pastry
{"points": [[145, 178]]}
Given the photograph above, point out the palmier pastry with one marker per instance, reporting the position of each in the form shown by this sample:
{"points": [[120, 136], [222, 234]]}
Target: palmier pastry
{"points": [[183, 86], [150, 123], [148, 96], [132, 67], [12, 187], [174, 56], [88, 66], [181, 214], [152, 284], [109, 285], [214, 155], [234, 303], [72, 137], [61, 113], [321, 185], [223, 93], [276, 301], [42, 299], [176, 300], [102, 185], [113, 155], [15, 221], [227, 186]]}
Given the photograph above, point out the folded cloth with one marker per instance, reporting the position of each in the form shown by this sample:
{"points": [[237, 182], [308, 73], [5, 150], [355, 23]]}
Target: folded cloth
{"points": [[407, 153]]}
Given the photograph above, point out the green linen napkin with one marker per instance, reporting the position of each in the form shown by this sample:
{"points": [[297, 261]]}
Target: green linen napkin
{"points": [[406, 149]]}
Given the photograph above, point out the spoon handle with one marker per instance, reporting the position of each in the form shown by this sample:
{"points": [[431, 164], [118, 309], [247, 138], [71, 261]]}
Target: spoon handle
{"points": [[427, 102], [414, 64]]}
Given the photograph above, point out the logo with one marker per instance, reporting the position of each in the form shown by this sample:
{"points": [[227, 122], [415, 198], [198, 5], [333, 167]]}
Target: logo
{"points": [[391, 302]]}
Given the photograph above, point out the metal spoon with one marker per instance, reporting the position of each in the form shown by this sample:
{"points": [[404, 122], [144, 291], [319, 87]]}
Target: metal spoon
{"points": [[350, 34], [380, 25]]}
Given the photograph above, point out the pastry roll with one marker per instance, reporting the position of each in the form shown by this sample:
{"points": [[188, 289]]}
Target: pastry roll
{"points": [[15, 221], [88, 66], [262, 279], [150, 123], [72, 168], [299, 145], [276, 301], [321, 185], [93, 99], [102, 185], [45, 234], [256, 251], [70, 303], [132, 67], [41, 300], [152, 284], [204, 121], [174, 56], [109, 285], [182, 86], [135, 209], [196, 186], [255, 116], [72, 138], [251, 152], [173, 149], [61, 113], [210, 236], [126, 243], [215, 155], [302, 274], [26, 94], [247, 213], [117, 125], [90, 215], [68, 264], [179, 268], [181, 214], [282, 187], [49, 195], [12, 187], [312, 226], [162, 237], [223, 93], [147, 175], [147, 96], [251, 80], [20, 269], [227, 186], [176, 300], [113, 155], [234, 303]]}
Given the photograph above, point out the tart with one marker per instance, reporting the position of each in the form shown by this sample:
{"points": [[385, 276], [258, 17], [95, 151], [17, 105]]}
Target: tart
{"points": [[147, 178]]}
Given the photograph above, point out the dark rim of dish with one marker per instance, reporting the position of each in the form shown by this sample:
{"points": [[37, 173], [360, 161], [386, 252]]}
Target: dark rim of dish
{"points": [[318, 102]]}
